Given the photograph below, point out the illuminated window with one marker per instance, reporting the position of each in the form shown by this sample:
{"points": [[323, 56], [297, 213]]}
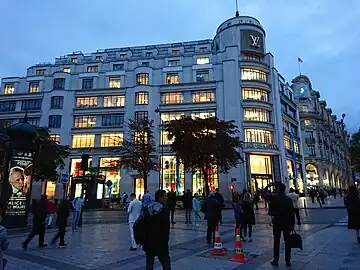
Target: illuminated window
{"points": [[142, 79], [258, 135], [112, 120], [112, 173], [74, 60], [260, 165], [202, 76], [202, 60], [141, 116], [88, 83], [305, 108], [172, 98], [84, 121], [59, 83], [75, 168], [253, 74], [173, 63], [9, 89], [257, 114], [86, 102], [111, 140], [114, 101], [172, 175], [92, 68], [198, 180], [140, 137], [141, 98], [287, 142], [296, 147], [307, 122], [252, 57], [255, 94], [118, 67], [83, 141], [34, 87], [171, 116], [55, 138], [203, 114], [172, 78], [66, 70], [203, 96], [114, 82], [40, 72], [165, 138]]}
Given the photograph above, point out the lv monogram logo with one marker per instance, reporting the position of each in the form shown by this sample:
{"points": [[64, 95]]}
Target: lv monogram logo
{"points": [[255, 41]]}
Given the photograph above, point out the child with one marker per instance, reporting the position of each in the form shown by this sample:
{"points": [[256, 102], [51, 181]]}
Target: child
{"points": [[61, 221]]}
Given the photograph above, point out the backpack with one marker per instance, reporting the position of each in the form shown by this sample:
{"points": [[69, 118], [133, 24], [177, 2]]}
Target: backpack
{"points": [[140, 229]]}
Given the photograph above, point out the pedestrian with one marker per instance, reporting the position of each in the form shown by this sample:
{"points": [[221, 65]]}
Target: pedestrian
{"points": [[248, 218], [157, 232], [171, 203], [147, 199], [4, 244], [256, 199], [124, 199], [52, 210], [212, 209], [77, 204], [196, 210], [352, 203], [283, 220], [238, 213], [219, 197], [187, 203], [39, 211], [312, 195], [63, 214], [295, 199], [340, 192], [133, 210]]}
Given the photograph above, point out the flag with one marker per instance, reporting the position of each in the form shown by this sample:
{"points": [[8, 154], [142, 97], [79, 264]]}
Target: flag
{"points": [[300, 60]]}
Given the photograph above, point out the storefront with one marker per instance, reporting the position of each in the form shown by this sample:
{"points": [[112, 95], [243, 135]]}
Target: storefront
{"points": [[75, 167], [172, 175], [138, 187], [260, 171], [295, 177], [198, 183], [110, 169], [312, 176]]}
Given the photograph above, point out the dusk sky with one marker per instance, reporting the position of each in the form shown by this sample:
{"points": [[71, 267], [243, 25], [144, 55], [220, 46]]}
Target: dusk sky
{"points": [[325, 34]]}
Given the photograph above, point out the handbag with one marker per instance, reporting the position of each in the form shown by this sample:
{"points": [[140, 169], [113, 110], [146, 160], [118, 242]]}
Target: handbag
{"points": [[295, 240]]}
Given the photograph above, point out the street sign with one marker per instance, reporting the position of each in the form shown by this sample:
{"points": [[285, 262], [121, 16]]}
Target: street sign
{"points": [[64, 178]]}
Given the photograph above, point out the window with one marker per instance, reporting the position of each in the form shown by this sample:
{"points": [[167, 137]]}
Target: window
{"points": [[84, 121], [312, 152], [7, 106], [122, 56], [142, 79], [114, 101], [74, 60], [112, 120], [111, 140], [203, 96], [203, 49], [305, 108], [307, 122], [202, 60], [253, 74], [172, 78], [34, 121], [258, 135], [57, 102], [54, 121], [252, 57], [141, 138], [118, 67], [87, 83], [34, 87], [255, 94], [83, 141], [114, 82], [141, 98], [172, 98], [40, 72], [92, 68], [202, 76], [287, 142], [309, 135], [173, 63], [203, 114], [171, 116], [9, 89], [148, 54], [86, 102], [66, 70], [165, 138], [55, 138], [31, 105], [145, 64], [98, 58], [257, 114], [59, 83], [176, 52], [141, 116]]}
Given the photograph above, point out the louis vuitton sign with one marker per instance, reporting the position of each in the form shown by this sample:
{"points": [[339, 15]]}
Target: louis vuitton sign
{"points": [[252, 40], [267, 146]]}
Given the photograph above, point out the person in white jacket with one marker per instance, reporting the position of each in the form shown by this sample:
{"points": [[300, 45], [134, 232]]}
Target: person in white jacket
{"points": [[295, 198], [196, 208], [134, 210]]}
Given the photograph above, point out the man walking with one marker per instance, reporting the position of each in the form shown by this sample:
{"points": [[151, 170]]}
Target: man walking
{"points": [[77, 204], [40, 211], [283, 220], [134, 210], [157, 232], [187, 203], [212, 210], [61, 222], [295, 199], [219, 197], [171, 203]]}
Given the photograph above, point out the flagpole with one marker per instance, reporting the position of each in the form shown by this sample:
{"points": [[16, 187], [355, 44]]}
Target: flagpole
{"points": [[299, 67]]}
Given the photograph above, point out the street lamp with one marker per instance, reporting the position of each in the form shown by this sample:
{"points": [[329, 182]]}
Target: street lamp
{"points": [[161, 158]]}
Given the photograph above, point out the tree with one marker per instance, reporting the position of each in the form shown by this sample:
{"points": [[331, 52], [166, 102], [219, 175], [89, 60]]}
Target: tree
{"points": [[204, 143], [354, 150], [138, 151]]}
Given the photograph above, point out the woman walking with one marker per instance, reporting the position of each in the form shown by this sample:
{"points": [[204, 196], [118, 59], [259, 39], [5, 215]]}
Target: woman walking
{"points": [[248, 219], [352, 203], [238, 213]]}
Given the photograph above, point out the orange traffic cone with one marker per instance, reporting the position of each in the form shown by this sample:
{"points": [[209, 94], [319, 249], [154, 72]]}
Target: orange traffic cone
{"points": [[239, 253], [218, 247]]}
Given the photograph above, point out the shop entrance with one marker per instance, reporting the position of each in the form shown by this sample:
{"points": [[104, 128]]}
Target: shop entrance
{"points": [[260, 171], [260, 181], [138, 187]]}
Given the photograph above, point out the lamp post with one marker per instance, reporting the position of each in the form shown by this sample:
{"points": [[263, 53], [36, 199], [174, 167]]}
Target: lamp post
{"points": [[161, 158]]}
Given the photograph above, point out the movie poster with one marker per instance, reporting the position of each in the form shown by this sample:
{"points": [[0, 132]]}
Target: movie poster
{"points": [[20, 169]]}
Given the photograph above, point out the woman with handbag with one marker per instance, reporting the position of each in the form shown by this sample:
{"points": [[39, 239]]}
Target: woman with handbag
{"points": [[352, 203]]}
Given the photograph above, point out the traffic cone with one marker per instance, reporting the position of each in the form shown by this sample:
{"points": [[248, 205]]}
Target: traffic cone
{"points": [[218, 247], [239, 253]]}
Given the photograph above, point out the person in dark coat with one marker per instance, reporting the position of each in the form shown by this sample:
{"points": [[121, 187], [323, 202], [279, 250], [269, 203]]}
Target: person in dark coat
{"points": [[158, 232], [283, 220], [248, 219], [219, 197], [171, 203], [212, 210], [352, 203], [187, 203], [40, 212], [61, 222]]}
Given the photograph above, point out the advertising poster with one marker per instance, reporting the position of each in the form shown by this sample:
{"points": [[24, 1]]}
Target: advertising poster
{"points": [[20, 180]]}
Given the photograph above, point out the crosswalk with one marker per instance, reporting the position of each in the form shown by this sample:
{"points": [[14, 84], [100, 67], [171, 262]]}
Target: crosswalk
{"points": [[342, 222]]}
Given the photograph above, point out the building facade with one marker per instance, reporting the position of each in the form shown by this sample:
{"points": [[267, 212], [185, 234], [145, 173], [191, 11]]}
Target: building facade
{"points": [[85, 99], [325, 140]]}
